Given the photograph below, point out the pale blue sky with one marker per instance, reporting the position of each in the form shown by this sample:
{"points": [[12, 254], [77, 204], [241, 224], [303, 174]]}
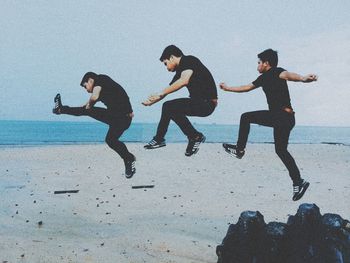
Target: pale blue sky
{"points": [[46, 47]]}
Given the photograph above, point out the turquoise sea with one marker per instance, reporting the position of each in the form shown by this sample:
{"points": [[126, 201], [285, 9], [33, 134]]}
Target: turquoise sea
{"points": [[34, 133]]}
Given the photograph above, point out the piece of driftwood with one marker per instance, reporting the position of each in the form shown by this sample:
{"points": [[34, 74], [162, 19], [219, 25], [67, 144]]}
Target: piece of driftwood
{"points": [[142, 186], [66, 192]]}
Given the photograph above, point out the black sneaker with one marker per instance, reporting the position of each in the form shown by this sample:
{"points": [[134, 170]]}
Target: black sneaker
{"points": [[193, 145], [154, 144], [300, 189], [58, 104], [232, 149], [130, 169]]}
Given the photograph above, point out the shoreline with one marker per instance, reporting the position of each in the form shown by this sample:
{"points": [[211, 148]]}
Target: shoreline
{"points": [[33, 145], [180, 220]]}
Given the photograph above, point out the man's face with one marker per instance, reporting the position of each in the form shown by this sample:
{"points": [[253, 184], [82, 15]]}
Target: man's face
{"points": [[263, 66], [89, 85], [170, 64]]}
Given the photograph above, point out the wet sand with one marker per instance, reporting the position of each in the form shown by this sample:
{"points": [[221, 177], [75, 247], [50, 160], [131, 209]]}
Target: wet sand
{"points": [[181, 219]]}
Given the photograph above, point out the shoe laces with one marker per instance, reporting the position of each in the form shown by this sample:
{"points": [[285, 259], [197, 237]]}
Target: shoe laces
{"points": [[58, 103]]}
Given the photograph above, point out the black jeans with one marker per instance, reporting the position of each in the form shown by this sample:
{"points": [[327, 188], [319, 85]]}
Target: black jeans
{"points": [[282, 123], [178, 109], [117, 125]]}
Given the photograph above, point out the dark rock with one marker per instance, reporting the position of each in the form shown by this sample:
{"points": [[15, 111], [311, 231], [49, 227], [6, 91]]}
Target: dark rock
{"points": [[275, 242], [243, 240], [308, 237]]}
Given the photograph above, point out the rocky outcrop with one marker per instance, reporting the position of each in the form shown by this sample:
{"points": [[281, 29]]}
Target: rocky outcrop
{"points": [[307, 237]]}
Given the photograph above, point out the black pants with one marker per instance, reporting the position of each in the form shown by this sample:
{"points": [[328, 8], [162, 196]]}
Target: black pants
{"points": [[177, 110], [282, 123], [117, 125]]}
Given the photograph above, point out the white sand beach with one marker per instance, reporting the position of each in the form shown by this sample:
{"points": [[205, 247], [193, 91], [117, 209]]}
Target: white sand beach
{"points": [[182, 219]]}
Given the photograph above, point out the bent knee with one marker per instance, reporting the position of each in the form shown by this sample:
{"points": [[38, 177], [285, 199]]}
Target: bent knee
{"points": [[169, 107], [245, 116]]}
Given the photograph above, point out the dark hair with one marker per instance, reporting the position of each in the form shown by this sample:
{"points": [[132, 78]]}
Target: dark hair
{"points": [[270, 56], [171, 50], [87, 76]]}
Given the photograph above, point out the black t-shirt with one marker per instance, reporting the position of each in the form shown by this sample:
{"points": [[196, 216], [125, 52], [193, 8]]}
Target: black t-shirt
{"points": [[275, 88], [201, 84], [113, 95]]}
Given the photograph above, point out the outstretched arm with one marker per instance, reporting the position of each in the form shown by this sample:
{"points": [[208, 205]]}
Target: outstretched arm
{"points": [[286, 75], [178, 84], [243, 88], [93, 98]]}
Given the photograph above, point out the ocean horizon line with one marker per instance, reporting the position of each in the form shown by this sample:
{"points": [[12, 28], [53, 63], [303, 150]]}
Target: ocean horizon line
{"points": [[156, 123]]}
